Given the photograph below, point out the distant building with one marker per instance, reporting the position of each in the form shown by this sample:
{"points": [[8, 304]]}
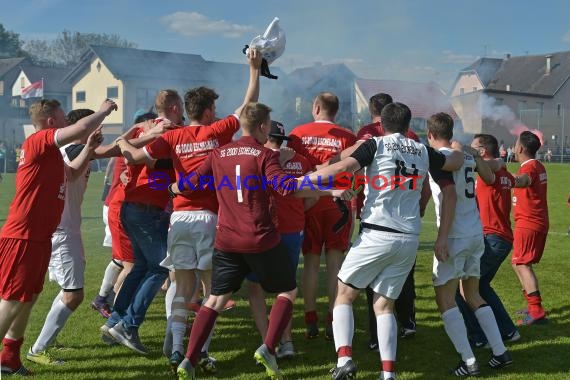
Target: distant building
{"points": [[499, 96]]}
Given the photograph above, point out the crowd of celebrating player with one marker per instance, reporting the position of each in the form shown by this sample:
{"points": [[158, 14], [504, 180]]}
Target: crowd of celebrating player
{"points": [[203, 242]]}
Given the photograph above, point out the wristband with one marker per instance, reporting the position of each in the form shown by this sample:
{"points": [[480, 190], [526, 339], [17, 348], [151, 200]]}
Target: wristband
{"points": [[170, 192]]}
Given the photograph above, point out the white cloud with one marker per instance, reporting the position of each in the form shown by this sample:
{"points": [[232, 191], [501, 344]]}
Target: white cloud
{"points": [[566, 37], [449, 56], [192, 24]]}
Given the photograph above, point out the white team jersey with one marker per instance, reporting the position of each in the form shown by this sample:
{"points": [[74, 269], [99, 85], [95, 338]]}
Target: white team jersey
{"points": [[466, 222], [391, 206], [75, 189]]}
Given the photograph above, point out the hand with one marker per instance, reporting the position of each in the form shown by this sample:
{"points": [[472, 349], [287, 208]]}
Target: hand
{"points": [[124, 177], [108, 106], [456, 145], [344, 194], [254, 58], [95, 138], [285, 154], [441, 250], [162, 126]]}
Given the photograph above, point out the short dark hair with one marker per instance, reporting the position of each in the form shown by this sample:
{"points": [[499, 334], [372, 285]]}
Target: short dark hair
{"points": [[530, 143], [78, 114], [378, 102], [488, 142], [440, 125], [328, 102], [145, 116], [396, 117], [197, 100]]}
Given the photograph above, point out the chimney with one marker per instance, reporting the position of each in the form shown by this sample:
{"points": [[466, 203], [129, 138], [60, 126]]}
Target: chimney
{"points": [[508, 56], [508, 87], [548, 64]]}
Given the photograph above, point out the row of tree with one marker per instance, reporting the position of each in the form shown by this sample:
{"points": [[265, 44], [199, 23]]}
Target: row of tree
{"points": [[63, 51]]}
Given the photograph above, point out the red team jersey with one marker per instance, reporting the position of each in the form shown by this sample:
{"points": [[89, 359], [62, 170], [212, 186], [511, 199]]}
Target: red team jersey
{"points": [[249, 161], [291, 210], [188, 147], [530, 206], [320, 141], [494, 202], [138, 189], [36, 209], [116, 184]]}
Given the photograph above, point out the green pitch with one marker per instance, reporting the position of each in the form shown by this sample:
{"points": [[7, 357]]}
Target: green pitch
{"points": [[542, 353]]}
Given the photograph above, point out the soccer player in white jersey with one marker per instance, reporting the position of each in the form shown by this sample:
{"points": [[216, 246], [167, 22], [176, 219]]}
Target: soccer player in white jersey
{"points": [[67, 263], [461, 266], [382, 256]]}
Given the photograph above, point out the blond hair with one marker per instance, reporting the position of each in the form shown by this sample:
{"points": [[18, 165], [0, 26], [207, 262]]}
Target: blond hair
{"points": [[253, 114], [166, 98], [43, 109]]}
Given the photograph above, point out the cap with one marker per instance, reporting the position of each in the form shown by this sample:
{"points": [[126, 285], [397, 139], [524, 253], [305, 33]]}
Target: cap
{"points": [[278, 131]]}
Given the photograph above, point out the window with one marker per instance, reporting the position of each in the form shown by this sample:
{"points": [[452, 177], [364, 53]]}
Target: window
{"points": [[1, 88], [22, 82], [80, 96], [499, 101], [145, 97], [112, 92], [474, 89], [559, 109], [461, 91], [521, 105], [540, 108]]}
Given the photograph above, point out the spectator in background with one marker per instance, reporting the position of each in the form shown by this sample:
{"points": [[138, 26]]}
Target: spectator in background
{"points": [[548, 155], [2, 159], [510, 154], [503, 152]]}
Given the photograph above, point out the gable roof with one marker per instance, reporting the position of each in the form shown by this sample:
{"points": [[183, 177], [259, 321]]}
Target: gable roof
{"points": [[53, 77], [125, 63], [8, 64], [527, 74], [485, 69], [424, 99], [307, 77]]}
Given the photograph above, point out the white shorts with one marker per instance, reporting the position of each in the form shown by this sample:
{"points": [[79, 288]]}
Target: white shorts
{"points": [[381, 260], [108, 241], [464, 260], [191, 240], [67, 263]]}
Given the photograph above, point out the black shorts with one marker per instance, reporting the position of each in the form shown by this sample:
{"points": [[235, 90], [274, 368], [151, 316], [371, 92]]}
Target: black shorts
{"points": [[273, 268]]}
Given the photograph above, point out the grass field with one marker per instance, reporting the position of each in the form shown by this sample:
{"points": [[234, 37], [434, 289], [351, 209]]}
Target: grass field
{"points": [[543, 352]]}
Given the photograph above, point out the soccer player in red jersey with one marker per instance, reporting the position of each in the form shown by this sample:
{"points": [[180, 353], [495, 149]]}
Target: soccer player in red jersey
{"points": [[193, 223], [531, 225], [25, 241], [320, 141], [246, 239], [289, 218], [494, 203]]}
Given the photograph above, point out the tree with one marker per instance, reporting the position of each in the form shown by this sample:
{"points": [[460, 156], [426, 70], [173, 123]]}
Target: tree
{"points": [[10, 44], [68, 48]]}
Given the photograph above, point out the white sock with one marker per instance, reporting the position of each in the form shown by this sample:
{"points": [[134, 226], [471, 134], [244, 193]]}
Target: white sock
{"points": [[343, 330], [489, 326], [170, 293], [57, 298], [109, 278], [55, 320], [387, 329], [206, 345], [455, 329], [179, 319]]}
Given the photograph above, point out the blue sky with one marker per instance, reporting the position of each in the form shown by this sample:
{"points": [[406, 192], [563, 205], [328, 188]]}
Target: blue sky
{"points": [[417, 40]]}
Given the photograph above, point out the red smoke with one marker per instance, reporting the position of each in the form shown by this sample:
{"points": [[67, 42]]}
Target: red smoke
{"points": [[519, 128]]}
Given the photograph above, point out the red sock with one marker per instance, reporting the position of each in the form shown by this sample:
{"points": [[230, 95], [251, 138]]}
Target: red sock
{"points": [[201, 328], [345, 351], [10, 355], [535, 309], [311, 317], [329, 317], [278, 319], [388, 366]]}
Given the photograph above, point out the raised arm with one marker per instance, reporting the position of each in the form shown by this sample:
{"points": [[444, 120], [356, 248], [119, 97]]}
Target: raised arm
{"points": [[77, 165], [252, 92], [86, 125]]}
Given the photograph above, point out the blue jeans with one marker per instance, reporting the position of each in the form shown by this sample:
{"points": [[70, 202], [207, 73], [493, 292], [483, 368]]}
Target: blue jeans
{"points": [[147, 229], [496, 251]]}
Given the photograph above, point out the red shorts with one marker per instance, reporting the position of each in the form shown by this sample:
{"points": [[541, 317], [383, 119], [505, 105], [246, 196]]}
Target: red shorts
{"points": [[528, 246], [121, 245], [319, 232], [23, 267]]}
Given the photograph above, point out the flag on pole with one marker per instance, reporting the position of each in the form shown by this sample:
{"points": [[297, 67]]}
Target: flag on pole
{"points": [[35, 90]]}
